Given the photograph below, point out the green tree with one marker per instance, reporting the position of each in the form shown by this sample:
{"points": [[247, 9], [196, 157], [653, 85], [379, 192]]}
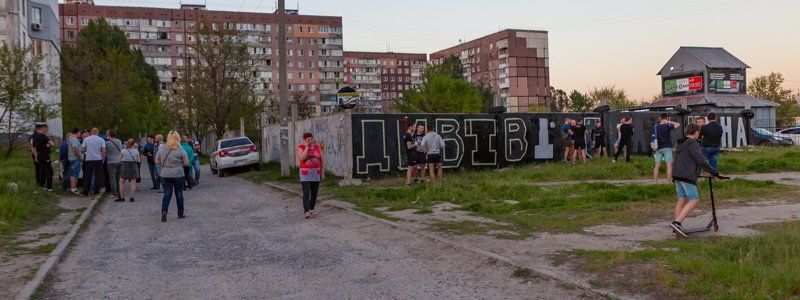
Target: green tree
{"points": [[560, 102], [107, 84], [443, 90], [579, 102], [616, 98], [487, 95], [216, 88], [770, 87], [19, 71]]}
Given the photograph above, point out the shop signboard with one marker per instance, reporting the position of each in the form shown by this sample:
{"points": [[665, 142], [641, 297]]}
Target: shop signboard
{"points": [[683, 86]]}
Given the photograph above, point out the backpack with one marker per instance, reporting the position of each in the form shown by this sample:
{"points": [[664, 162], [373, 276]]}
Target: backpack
{"points": [[63, 151]]}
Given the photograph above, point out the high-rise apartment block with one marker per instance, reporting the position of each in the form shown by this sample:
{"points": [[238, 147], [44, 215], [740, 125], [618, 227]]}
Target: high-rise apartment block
{"points": [[34, 24], [314, 43], [381, 77], [513, 62]]}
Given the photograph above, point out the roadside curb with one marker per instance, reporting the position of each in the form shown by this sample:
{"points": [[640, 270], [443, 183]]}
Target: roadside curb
{"points": [[54, 256], [543, 273]]}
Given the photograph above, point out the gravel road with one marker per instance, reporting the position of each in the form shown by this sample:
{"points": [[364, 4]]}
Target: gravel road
{"points": [[242, 240]]}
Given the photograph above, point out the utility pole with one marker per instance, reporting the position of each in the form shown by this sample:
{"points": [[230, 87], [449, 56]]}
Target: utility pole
{"points": [[283, 87]]}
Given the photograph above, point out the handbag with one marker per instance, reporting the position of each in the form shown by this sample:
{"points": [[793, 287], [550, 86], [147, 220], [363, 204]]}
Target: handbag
{"points": [[654, 141]]}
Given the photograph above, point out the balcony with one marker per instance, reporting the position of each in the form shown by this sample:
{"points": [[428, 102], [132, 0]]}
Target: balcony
{"points": [[329, 80], [503, 85]]}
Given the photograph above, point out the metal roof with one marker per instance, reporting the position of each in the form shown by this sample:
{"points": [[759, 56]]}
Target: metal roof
{"points": [[716, 57], [715, 100]]}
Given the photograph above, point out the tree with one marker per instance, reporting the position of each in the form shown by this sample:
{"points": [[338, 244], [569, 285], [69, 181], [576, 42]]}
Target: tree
{"points": [[770, 87], [443, 91], [560, 101], [216, 88], [107, 84], [487, 95], [616, 98], [579, 102], [19, 71]]}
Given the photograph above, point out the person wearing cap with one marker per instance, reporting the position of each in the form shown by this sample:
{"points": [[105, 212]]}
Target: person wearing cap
{"points": [[312, 171]]}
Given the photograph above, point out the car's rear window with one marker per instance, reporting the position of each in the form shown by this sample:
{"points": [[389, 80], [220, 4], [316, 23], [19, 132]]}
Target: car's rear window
{"points": [[235, 142]]}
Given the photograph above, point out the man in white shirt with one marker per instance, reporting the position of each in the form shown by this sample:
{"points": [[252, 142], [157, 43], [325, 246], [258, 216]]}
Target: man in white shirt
{"points": [[94, 148], [433, 145]]}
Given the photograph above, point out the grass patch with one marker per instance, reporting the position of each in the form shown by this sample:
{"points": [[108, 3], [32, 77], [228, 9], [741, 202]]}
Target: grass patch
{"points": [[761, 267], [372, 212], [29, 206], [523, 273], [560, 208], [467, 227], [44, 249]]}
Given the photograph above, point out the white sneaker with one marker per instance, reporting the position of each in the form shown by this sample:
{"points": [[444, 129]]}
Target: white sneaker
{"points": [[613, 161], [75, 191]]}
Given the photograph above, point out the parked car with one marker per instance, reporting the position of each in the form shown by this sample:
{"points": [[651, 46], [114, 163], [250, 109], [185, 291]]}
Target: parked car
{"points": [[238, 152], [791, 133], [762, 137]]}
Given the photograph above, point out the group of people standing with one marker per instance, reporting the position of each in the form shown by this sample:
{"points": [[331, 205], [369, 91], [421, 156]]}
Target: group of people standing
{"points": [[423, 152], [98, 161], [575, 135]]}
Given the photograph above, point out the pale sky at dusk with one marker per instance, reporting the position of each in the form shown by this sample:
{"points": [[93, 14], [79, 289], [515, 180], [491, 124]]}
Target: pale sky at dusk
{"points": [[592, 43]]}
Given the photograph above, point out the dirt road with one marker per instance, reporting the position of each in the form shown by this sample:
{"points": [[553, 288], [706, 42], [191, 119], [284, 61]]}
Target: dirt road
{"points": [[241, 240]]}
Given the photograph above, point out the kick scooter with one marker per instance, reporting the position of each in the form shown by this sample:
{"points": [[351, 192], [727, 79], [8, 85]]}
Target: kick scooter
{"points": [[713, 224]]}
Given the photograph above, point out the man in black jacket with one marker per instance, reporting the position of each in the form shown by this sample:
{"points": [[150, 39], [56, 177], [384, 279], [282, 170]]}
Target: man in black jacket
{"points": [[625, 140], [688, 158], [711, 135]]}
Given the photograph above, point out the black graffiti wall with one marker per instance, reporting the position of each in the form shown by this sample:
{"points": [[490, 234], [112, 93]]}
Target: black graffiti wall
{"points": [[499, 140]]}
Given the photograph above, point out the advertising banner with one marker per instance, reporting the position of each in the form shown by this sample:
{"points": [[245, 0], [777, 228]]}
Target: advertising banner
{"points": [[726, 82], [683, 86]]}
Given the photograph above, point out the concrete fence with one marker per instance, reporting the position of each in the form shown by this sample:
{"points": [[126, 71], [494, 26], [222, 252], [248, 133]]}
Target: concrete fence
{"points": [[333, 133]]}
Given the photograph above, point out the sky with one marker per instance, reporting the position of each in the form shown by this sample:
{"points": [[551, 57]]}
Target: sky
{"points": [[592, 43]]}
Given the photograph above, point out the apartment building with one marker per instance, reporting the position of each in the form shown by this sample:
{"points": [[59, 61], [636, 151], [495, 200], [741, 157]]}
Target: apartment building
{"points": [[513, 62], [34, 24], [314, 43], [381, 77]]}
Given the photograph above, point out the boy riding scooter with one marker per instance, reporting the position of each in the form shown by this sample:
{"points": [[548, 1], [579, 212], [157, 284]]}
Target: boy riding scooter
{"points": [[689, 157]]}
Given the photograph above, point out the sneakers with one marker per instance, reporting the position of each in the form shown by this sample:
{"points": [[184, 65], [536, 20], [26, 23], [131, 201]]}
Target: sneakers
{"points": [[677, 228], [613, 161], [75, 191], [132, 200]]}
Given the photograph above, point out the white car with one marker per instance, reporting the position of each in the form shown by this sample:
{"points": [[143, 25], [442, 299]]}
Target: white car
{"points": [[234, 153], [792, 133]]}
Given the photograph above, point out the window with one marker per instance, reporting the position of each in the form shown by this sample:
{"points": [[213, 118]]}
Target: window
{"points": [[37, 48], [179, 37], [179, 62], [70, 21], [70, 34], [37, 15], [84, 21], [38, 81]]}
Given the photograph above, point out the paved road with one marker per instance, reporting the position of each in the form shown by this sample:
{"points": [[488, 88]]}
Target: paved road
{"points": [[241, 240]]}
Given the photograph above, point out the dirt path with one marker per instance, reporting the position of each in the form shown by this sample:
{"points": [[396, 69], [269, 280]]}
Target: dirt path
{"points": [[29, 250], [246, 241]]}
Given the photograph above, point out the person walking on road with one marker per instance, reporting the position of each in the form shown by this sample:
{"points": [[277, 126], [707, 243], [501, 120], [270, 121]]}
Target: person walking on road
{"points": [[196, 162], [312, 171], [113, 155], [711, 136], [129, 169], [625, 140], [40, 147], [94, 148], [662, 134], [433, 144], [172, 158]]}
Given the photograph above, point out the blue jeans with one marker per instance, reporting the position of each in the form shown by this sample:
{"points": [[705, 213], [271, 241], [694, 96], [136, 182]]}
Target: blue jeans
{"points": [[170, 185], [711, 154], [196, 167], [65, 172], [152, 168], [686, 191]]}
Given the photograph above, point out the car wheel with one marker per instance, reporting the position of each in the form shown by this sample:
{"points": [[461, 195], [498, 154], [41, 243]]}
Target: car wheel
{"points": [[213, 171], [765, 143], [257, 167], [221, 173]]}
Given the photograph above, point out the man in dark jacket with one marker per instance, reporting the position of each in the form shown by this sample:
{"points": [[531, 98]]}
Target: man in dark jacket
{"points": [[689, 157], [625, 140], [711, 135]]}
